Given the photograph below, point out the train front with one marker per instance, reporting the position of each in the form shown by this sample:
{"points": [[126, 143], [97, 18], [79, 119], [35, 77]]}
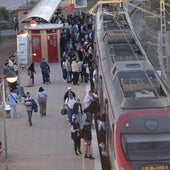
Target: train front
{"points": [[143, 140]]}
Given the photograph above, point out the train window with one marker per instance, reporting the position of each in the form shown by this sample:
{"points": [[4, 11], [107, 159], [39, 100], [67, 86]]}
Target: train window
{"points": [[133, 65], [145, 147]]}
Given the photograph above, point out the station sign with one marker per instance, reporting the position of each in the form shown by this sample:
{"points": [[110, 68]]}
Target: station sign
{"points": [[69, 8]]}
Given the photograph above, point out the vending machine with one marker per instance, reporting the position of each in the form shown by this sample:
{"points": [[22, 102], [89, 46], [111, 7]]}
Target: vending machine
{"points": [[23, 50]]}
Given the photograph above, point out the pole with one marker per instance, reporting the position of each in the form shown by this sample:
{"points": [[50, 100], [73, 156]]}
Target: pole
{"points": [[19, 83], [4, 124]]}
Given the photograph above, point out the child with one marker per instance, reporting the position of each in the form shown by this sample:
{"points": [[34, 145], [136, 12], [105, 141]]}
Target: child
{"points": [[87, 138]]}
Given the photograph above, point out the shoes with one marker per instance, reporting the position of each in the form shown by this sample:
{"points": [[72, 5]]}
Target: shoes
{"points": [[80, 152], [101, 145], [85, 156], [76, 153], [104, 153], [90, 157]]}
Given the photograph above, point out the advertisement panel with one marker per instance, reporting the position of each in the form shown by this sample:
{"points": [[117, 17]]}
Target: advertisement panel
{"points": [[80, 3]]}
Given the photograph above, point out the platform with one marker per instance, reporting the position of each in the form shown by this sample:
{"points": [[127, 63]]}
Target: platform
{"points": [[47, 145]]}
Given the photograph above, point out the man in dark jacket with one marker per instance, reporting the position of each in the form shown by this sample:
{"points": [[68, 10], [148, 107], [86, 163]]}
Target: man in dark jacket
{"points": [[77, 110], [45, 70]]}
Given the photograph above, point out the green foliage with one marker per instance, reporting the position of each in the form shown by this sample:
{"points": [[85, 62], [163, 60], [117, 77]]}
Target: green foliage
{"points": [[4, 14]]}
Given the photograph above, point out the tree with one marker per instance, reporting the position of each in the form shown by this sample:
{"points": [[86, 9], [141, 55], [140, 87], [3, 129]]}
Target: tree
{"points": [[4, 14]]}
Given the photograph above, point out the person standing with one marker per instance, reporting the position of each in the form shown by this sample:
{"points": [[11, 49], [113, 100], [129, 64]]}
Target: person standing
{"points": [[42, 101], [102, 133], [69, 103], [75, 72], [87, 135], [68, 68], [29, 107], [77, 109], [12, 101], [75, 135], [45, 70], [31, 71], [87, 101]]}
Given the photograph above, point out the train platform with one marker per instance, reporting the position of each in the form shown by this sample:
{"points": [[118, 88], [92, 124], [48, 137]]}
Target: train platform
{"points": [[47, 145]]}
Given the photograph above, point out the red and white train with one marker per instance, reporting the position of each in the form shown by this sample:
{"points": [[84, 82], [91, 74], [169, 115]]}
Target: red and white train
{"points": [[133, 96]]}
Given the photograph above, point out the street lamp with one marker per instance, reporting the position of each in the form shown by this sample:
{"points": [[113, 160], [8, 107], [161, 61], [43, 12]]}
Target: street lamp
{"points": [[11, 77]]}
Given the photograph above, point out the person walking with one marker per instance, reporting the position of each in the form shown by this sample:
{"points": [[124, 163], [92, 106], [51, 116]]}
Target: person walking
{"points": [[87, 135], [69, 89], [31, 71], [77, 110], [29, 107], [12, 101], [75, 135], [45, 70], [69, 103], [42, 101]]}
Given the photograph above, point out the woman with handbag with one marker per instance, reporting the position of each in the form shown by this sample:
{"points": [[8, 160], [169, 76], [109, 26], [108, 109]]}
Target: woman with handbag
{"points": [[75, 135]]}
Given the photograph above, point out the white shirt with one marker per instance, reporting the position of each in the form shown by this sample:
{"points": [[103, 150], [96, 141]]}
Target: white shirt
{"points": [[87, 100], [70, 102]]}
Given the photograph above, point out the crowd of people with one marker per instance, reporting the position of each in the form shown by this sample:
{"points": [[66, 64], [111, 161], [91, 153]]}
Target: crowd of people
{"points": [[77, 51], [78, 66]]}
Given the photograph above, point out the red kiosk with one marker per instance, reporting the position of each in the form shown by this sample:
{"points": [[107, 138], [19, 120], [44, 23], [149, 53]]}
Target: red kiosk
{"points": [[44, 41]]}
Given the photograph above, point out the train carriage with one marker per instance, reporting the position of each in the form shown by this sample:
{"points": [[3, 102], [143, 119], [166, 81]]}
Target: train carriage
{"points": [[133, 96]]}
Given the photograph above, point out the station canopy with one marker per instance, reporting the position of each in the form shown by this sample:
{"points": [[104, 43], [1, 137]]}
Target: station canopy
{"points": [[44, 10]]}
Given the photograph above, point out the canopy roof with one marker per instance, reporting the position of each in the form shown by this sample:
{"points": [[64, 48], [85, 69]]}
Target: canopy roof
{"points": [[44, 9]]}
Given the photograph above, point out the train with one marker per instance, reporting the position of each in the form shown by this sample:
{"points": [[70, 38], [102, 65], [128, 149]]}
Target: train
{"points": [[132, 94]]}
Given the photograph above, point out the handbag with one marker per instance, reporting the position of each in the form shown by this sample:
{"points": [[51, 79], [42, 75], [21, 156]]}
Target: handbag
{"points": [[63, 111], [7, 107]]}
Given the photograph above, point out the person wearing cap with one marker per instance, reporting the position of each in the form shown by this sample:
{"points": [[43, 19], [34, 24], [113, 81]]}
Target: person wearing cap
{"points": [[69, 89], [69, 103]]}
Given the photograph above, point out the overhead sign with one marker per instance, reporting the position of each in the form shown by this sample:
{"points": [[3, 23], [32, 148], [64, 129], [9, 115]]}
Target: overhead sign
{"points": [[80, 3], [69, 8]]}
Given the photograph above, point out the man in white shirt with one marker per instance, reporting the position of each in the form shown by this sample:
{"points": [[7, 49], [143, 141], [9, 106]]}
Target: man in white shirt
{"points": [[69, 103]]}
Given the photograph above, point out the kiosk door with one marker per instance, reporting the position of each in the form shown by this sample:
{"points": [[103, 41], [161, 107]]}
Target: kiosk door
{"points": [[52, 48], [36, 48]]}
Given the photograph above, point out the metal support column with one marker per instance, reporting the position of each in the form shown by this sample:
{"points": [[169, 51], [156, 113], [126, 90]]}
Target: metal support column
{"points": [[163, 44]]}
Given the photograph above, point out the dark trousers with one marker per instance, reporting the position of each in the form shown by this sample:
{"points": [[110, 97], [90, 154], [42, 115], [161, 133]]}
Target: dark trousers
{"points": [[64, 74], [75, 78], [77, 142], [30, 117]]}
